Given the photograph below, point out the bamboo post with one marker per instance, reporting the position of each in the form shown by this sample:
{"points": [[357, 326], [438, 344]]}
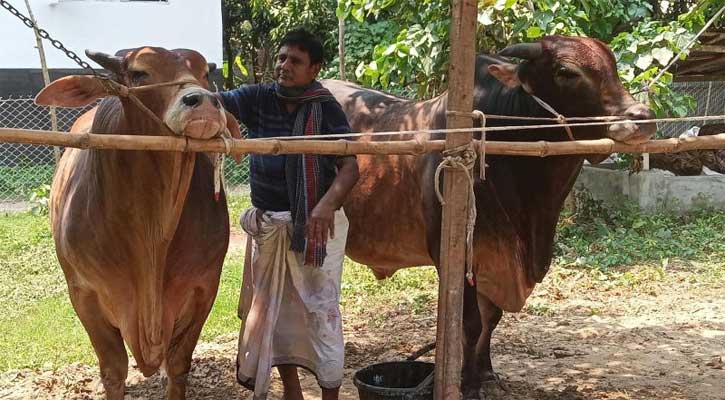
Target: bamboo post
{"points": [[455, 211], [46, 77]]}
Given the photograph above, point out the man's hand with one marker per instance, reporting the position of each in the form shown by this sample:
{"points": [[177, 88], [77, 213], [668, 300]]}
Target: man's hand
{"points": [[321, 224]]}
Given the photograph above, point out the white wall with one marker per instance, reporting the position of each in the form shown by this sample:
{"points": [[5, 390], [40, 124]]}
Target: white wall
{"points": [[110, 25]]}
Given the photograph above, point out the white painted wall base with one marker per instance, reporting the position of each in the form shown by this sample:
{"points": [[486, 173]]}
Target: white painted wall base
{"points": [[653, 190]]}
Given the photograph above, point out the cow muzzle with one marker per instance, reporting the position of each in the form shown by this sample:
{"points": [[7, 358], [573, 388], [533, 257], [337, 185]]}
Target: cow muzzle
{"points": [[196, 113], [632, 133]]}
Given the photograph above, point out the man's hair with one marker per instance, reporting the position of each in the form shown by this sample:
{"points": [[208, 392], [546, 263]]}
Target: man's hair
{"points": [[305, 41]]}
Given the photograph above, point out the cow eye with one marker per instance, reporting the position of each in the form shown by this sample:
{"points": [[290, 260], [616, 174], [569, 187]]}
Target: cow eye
{"points": [[567, 73], [137, 77]]}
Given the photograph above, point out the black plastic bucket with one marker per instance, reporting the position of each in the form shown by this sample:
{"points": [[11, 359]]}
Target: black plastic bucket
{"points": [[395, 380]]}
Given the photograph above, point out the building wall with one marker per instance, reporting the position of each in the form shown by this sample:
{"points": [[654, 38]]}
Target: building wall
{"points": [[110, 25]]}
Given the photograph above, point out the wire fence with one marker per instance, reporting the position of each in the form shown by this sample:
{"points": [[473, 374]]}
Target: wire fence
{"points": [[710, 98], [25, 168]]}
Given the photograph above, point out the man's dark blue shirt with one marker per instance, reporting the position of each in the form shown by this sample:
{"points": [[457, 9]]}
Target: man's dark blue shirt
{"points": [[264, 115]]}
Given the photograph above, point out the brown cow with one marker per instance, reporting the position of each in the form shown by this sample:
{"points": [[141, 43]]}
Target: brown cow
{"points": [[138, 234], [395, 218]]}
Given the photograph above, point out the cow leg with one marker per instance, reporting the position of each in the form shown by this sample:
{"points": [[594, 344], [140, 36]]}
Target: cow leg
{"points": [[106, 340], [183, 342], [490, 315], [470, 380]]}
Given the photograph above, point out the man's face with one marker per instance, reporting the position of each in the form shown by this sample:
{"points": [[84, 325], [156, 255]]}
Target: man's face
{"points": [[294, 68]]}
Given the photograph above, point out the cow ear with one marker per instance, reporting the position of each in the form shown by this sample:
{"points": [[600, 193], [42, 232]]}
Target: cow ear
{"points": [[71, 91], [505, 73]]}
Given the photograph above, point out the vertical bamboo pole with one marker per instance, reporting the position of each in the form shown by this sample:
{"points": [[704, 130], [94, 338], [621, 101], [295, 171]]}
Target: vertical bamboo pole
{"points": [[455, 211], [46, 77]]}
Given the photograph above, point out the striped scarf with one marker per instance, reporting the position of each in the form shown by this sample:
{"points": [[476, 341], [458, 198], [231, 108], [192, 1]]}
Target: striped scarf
{"points": [[303, 174]]}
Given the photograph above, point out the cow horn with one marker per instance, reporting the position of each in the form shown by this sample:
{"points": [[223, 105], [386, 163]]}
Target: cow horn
{"points": [[107, 61], [212, 67], [527, 51]]}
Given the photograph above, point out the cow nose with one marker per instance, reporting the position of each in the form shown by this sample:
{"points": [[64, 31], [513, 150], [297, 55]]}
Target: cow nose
{"points": [[639, 111], [191, 99]]}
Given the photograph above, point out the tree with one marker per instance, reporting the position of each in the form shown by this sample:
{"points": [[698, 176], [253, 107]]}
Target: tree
{"points": [[253, 29], [410, 57]]}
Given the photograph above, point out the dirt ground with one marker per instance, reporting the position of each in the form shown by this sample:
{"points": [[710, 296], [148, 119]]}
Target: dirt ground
{"points": [[580, 338]]}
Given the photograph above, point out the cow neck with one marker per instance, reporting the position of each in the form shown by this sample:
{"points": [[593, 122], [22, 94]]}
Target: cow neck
{"points": [[160, 178]]}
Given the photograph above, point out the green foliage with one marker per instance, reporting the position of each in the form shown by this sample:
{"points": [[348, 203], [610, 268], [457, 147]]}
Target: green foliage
{"points": [[409, 58], [360, 41], [642, 54], [253, 29], [39, 198], [600, 237], [19, 181], [414, 60], [505, 21]]}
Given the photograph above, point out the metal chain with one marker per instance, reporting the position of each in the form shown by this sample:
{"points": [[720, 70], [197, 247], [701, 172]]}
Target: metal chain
{"points": [[45, 35]]}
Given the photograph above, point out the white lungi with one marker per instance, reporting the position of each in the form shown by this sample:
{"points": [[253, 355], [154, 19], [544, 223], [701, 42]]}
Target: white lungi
{"points": [[290, 312]]}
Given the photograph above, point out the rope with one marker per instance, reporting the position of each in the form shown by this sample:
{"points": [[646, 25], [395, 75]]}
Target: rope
{"points": [[218, 163], [522, 118], [120, 90], [490, 129], [482, 147], [217, 159], [462, 157], [559, 118]]}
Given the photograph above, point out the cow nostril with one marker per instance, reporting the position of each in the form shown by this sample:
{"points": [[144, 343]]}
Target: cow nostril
{"points": [[191, 100]]}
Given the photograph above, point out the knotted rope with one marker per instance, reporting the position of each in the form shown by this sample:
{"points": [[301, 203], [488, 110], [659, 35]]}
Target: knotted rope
{"points": [[559, 118], [218, 163], [462, 157]]}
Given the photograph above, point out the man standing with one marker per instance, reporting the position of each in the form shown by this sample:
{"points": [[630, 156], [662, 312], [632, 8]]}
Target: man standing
{"points": [[290, 300]]}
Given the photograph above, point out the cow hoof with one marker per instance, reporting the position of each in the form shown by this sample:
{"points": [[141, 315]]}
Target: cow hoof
{"points": [[490, 379], [471, 394]]}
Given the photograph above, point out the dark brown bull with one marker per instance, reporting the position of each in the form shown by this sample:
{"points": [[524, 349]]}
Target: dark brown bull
{"points": [[138, 234], [394, 215]]}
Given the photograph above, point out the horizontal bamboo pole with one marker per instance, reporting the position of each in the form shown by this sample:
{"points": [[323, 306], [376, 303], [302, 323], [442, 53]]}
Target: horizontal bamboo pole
{"points": [[344, 147]]}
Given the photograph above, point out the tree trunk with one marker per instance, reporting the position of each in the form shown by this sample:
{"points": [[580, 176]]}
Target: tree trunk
{"points": [[341, 46], [228, 53]]}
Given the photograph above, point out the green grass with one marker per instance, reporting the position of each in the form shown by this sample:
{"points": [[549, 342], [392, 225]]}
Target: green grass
{"points": [[38, 326], [599, 237]]}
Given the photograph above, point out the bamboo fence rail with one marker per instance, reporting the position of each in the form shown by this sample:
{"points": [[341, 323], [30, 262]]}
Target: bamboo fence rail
{"points": [[346, 147]]}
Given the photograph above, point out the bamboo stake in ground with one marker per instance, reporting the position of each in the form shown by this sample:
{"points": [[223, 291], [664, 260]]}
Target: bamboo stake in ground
{"points": [[455, 210], [46, 76]]}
